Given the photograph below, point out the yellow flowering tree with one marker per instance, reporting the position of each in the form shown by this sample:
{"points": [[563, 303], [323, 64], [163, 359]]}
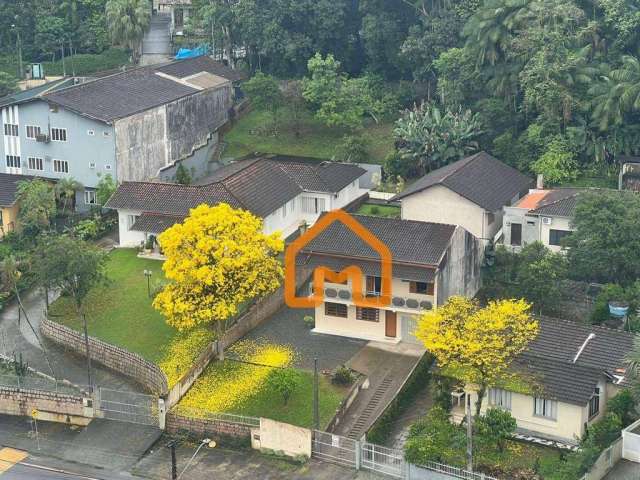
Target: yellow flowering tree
{"points": [[217, 259], [478, 343]]}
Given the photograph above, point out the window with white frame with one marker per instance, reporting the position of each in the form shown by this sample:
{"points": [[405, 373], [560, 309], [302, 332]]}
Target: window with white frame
{"points": [[312, 204], [32, 131], [90, 197], [131, 219], [13, 161], [594, 403], [500, 398], [59, 134], [60, 166], [91, 133], [92, 165], [107, 167], [35, 163], [11, 129], [543, 407]]}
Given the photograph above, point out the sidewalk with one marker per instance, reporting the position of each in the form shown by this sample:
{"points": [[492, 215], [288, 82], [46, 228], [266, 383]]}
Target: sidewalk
{"points": [[237, 465]]}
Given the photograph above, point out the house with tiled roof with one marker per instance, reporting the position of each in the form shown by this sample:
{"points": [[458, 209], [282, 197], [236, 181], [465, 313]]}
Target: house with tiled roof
{"points": [[430, 262], [543, 215], [563, 380], [9, 205], [470, 192], [135, 125], [283, 191]]}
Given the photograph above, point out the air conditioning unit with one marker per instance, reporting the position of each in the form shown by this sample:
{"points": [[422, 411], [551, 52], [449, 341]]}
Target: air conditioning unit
{"points": [[43, 138], [546, 220]]}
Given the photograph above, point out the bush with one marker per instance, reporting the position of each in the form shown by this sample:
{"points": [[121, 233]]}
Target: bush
{"points": [[353, 149], [496, 426], [609, 292], [441, 391], [624, 406], [603, 432], [309, 321], [375, 210], [88, 63], [151, 241], [342, 376], [284, 381]]}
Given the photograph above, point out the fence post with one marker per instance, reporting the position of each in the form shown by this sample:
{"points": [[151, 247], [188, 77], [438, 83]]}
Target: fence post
{"points": [[162, 414], [358, 454], [407, 470]]}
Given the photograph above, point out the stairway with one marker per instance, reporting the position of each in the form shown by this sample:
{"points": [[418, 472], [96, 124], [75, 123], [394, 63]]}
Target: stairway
{"points": [[156, 44], [364, 419]]}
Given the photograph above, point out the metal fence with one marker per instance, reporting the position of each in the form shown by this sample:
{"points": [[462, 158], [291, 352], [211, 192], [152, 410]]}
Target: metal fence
{"points": [[36, 382], [387, 461], [455, 472], [219, 417], [335, 449], [128, 406]]}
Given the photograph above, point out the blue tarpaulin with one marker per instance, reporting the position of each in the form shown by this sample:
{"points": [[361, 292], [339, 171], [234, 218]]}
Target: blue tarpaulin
{"points": [[191, 52]]}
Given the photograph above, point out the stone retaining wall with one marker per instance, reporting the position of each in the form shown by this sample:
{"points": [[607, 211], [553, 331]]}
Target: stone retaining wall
{"points": [[51, 406], [203, 427], [118, 359]]}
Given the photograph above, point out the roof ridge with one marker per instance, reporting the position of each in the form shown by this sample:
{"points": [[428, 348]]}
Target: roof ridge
{"points": [[582, 325], [403, 220], [174, 184], [464, 164]]}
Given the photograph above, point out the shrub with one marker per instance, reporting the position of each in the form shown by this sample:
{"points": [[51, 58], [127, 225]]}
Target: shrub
{"points": [[609, 292], [342, 376], [87, 63], [624, 406], [435, 439], [150, 242], [442, 387], [309, 321], [603, 432], [353, 149], [375, 210], [496, 426], [284, 381]]}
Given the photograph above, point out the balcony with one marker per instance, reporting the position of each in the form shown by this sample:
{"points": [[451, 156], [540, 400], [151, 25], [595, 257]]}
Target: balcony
{"points": [[417, 303]]}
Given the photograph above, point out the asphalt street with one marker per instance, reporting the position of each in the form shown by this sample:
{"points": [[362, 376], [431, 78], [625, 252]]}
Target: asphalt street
{"points": [[28, 472]]}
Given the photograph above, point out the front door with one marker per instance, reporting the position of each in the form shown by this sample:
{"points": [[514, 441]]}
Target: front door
{"points": [[390, 324]]}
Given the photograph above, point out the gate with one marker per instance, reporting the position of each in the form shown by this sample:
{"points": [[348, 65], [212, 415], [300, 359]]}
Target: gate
{"points": [[409, 325], [128, 406], [334, 448], [387, 461]]}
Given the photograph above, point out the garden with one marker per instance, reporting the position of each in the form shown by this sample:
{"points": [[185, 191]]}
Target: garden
{"points": [[389, 211], [120, 312], [257, 379]]}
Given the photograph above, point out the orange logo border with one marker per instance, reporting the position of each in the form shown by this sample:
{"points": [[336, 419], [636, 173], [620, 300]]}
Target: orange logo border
{"points": [[352, 272]]}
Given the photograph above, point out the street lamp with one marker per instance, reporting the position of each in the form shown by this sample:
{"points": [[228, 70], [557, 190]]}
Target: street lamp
{"points": [[19, 42], [148, 273], [174, 466]]}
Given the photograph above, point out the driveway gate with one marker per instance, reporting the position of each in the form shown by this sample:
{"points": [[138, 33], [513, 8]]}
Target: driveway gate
{"points": [[334, 448], [128, 406], [387, 461]]}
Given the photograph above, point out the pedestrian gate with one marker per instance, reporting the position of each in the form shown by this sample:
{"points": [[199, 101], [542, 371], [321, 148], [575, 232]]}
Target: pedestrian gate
{"points": [[127, 406]]}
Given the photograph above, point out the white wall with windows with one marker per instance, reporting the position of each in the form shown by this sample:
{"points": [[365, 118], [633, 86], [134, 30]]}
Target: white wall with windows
{"points": [[128, 237], [520, 229]]}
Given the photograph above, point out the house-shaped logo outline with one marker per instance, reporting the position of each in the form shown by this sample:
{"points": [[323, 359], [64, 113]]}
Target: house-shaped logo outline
{"points": [[351, 272]]}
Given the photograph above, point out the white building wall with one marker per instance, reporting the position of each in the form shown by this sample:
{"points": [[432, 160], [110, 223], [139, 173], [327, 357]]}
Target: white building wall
{"points": [[129, 238], [438, 204]]}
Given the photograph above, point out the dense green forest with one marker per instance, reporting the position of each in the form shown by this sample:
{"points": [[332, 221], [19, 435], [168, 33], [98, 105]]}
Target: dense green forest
{"points": [[551, 86]]}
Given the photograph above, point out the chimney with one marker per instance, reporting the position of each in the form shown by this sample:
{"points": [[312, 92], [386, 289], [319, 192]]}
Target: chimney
{"points": [[540, 182]]}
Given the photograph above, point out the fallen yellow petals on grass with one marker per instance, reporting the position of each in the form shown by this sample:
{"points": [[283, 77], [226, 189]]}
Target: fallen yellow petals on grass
{"points": [[183, 351], [225, 385]]}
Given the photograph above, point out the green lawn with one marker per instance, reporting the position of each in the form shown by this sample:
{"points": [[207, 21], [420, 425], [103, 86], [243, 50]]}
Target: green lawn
{"points": [[121, 312], [379, 210], [518, 457], [315, 140]]}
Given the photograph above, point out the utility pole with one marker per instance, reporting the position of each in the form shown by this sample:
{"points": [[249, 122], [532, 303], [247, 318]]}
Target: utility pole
{"points": [[316, 412], [469, 435], [64, 68], [88, 351], [19, 42], [174, 467]]}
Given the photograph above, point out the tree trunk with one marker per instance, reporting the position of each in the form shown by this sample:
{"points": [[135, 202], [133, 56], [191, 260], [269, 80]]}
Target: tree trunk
{"points": [[220, 327], [83, 319], [481, 393]]}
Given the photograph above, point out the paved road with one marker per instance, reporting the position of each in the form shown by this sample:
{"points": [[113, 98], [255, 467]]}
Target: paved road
{"points": [[17, 337], [24, 472], [156, 44]]}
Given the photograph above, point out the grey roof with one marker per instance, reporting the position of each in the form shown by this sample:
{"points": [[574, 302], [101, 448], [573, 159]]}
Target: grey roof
{"points": [[126, 93], [34, 93], [259, 185], [184, 69], [480, 178], [412, 242], [317, 175], [559, 202], [155, 223], [550, 358], [368, 267], [167, 198]]}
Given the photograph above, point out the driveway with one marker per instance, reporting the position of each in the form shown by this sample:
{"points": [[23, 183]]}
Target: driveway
{"points": [[624, 470], [156, 43], [18, 338], [287, 327]]}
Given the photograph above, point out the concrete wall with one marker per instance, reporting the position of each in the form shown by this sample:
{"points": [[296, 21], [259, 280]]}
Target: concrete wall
{"points": [[202, 427], [533, 229], [606, 461], [141, 145], [127, 363], [192, 120], [282, 438], [129, 238], [460, 272], [438, 204], [199, 165], [51, 406]]}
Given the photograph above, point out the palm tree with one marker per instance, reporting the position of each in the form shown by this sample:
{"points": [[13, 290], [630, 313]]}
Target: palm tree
{"points": [[66, 189], [127, 21]]}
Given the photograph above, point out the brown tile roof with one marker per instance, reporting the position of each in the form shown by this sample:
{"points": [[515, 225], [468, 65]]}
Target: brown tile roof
{"points": [[480, 178]]}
